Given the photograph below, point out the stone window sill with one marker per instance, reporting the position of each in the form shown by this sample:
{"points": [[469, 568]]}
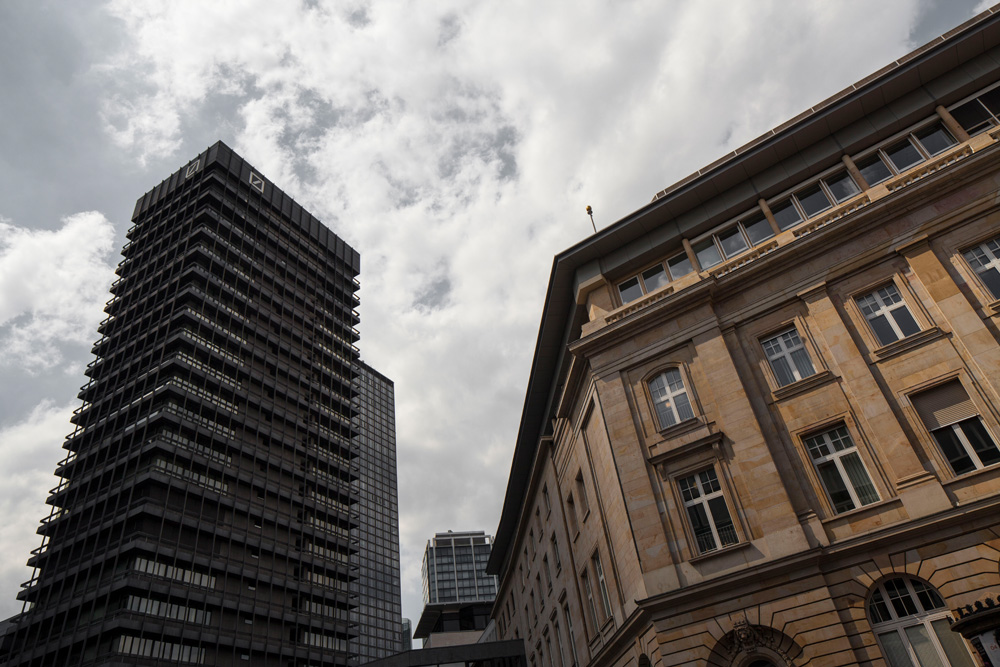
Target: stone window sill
{"points": [[739, 546], [906, 344], [803, 385], [873, 508]]}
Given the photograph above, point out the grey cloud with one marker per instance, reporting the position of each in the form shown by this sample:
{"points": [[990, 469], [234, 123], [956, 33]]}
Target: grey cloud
{"points": [[433, 295]]}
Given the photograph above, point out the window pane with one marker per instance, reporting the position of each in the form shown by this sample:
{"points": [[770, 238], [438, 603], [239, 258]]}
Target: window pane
{"points": [[873, 169], [987, 267], [980, 440], [920, 642], [654, 277], [935, 139], [630, 290], [665, 414], [679, 265], [860, 480], [835, 487], [707, 253], [782, 371], [803, 364], [842, 186], [904, 155], [953, 450], [732, 241], [758, 229], [905, 321], [973, 117], [702, 529], [991, 100], [723, 522], [952, 644], [883, 330], [895, 650], [899, 595], [786, 215], [683, 406], [813, 200], [877, 608]]}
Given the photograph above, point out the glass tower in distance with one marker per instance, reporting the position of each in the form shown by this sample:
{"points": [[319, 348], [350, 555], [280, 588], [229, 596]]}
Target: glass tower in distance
{"points": [[378, 613], [454, 568], [207, 502]]}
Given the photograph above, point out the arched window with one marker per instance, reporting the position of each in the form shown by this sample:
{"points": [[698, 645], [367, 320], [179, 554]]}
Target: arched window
{"points": [[910, 620], [670, 398]]}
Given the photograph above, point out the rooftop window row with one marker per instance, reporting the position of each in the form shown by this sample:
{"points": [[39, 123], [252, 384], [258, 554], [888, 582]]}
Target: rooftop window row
{"points": [[839, 185]]}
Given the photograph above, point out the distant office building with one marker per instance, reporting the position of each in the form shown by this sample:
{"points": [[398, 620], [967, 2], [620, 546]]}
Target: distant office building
{"points": [[454, 568], [407, 636], [379, 609], [205, 510], [458, 594]]}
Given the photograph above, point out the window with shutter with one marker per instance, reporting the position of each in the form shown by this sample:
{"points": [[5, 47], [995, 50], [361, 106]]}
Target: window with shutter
{"points": [[951, 417]]}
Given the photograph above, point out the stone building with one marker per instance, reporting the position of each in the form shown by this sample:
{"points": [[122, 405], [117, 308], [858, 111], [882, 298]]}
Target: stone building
{"points": [[761, 426]]}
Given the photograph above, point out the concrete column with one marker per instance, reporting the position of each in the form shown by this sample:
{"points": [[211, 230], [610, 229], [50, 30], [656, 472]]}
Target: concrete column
{"points": [[693, 258], [949, 121], [853, 170], [770, 216]]}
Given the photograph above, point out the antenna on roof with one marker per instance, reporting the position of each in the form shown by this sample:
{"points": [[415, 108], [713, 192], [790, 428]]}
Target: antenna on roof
{"points": [[590, 212]]}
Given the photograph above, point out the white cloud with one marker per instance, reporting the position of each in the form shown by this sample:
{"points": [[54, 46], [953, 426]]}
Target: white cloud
{"points": [[53, 285], [29, 451]]}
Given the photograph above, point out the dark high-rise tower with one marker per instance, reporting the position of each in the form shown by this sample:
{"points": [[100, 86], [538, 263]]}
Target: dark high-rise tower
{"points": [[205, 507], [378, 613]]}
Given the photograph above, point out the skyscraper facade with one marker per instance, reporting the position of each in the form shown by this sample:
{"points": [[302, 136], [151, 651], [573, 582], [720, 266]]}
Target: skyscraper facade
{"points": [[454, 568], [378, 613], [205, 510]]}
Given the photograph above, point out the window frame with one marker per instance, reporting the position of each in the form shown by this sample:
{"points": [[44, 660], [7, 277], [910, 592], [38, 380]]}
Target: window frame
{"points": [[993, 119], [835, 456], [919, 594], [602, 584], [906, 301], [638, 276], [993, 263], [911, 135], [654, 403], [786, 354], [702, 500], [973, 410]]}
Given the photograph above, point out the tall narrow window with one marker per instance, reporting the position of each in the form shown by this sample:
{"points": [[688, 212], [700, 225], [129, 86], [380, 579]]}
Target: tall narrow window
{"points": [[841, 470], [911, 622], [548, 572], [670, 398], [951, 417], [559, 641], [887, 314], [574, 521], [588, 591], [581, 491], [788, 357], [602, 584], [547, 499], [707, 511], [572, 634], [985, 261], [555, 553]]}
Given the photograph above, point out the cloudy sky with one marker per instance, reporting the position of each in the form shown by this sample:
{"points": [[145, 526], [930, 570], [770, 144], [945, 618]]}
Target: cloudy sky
{"points": [[454, 144]]}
